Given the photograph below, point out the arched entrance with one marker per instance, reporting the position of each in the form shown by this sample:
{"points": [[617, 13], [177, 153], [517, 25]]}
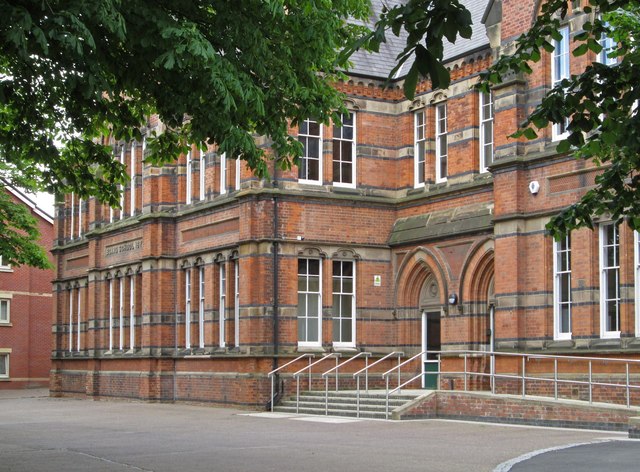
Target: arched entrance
{"points": [[431, 308]]}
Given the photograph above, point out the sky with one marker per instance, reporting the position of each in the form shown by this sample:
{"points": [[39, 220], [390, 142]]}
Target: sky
{"points": [[44, 201]]}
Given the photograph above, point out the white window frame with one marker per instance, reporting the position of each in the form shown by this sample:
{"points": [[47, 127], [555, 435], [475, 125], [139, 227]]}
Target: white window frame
{"points": [[636, 262], [132, 311], [223, 173], [4, 267], [562, 54], [608, 44], [122, 161], [238, 170], [73, 219], [5, 301], [70, 295], [187, 308], [442, 139], [4, 358], [202, 176], [561, 253], [305, 157], [336, 313], [78, 318], [201, 301], [236, 302], [80, 217], [110, 314], [486, 120], [189, 184], [340, 138], [132, 192], [419, 147], [604, 286], [222, 303], [121, 313], [305, 293]]}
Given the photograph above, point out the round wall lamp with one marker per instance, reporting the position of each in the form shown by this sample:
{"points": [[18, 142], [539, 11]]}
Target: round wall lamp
{"points": [[453, 299]]}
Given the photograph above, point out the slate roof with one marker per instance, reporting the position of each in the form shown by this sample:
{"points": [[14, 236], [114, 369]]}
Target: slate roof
{"points": [[378, 65]]}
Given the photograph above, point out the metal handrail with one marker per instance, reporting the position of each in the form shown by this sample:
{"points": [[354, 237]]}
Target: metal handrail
{"points": [[271, 374], [357, 375], [325, 375], [522, 376], [296, 375]]}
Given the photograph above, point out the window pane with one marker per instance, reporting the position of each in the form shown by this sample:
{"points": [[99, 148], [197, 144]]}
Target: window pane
{"points": [[313, 148], [302, 335], [336, 303], [4, 305], [314, 128], [612, 316], [347, 177], [336, 329], [612, 284], [347, 269], [314, 266], [312, 330], [314, 284], [312, 305], [346, 331], [3, 365], [564, 288], [347, 285], [565, 319], [347, 149], [345, 309]]}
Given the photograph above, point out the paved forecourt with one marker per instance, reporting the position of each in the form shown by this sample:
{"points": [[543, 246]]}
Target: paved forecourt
{"points": [[38, 433]]}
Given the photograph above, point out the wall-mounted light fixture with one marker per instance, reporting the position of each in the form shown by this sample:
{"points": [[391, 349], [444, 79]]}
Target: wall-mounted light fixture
{"points": [[453, 299]]}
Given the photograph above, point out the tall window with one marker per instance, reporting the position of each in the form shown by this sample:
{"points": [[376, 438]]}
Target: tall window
{"points": [[202, 174], [608, 46], [559, 72], [70, 297], [486, 131], [132, 170], [201, 292], [344, 151], [189, 177], [442, 148], [110, 305], [4, 266], [5, 311], [72, 223], [636, 244], [121, 313], [562, 288], [238, 170], [78, 318], [236, 302], [420, 150], [187, 308], [80, 218], [309, 302], [222, 303], [310, 164], [132, 311], [344, 303], [4, 365], [123, 162], [223, 173], [609, 281]]}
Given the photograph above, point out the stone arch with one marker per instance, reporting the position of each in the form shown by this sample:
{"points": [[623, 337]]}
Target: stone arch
{"points": [[476, 286], [416, 268]]}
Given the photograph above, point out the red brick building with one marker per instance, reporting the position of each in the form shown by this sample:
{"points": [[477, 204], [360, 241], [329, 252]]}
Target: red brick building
{"points": [[26, 304], [416, 224]]}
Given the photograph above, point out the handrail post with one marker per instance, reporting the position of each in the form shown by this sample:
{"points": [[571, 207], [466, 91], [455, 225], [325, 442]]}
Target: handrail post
{"points": [[398, 372], [465, 371], [297, 394], [555, 378], [386, 408], [272, 393], [358, 398], [628, 392], [366, 374], [590, 384], [523, 376], [337, 365], [326, 395], [439, 377], [309, 374]]}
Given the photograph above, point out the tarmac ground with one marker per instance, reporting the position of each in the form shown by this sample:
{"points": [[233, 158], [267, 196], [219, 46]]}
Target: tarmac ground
{"points": [[39, 433]]}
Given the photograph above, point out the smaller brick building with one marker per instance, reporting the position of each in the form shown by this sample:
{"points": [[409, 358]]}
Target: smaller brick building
{"points": [[25, 313]]}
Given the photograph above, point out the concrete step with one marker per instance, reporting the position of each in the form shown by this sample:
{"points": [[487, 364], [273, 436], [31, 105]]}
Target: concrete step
{"points": [[351, 413], [341, 406]]}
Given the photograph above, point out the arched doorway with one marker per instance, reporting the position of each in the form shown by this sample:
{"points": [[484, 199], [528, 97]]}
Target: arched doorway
{"points": [[431, 307]]}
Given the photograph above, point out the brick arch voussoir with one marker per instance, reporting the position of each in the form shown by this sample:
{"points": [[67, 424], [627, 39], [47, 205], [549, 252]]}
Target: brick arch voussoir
{"points": [[414, 270]]}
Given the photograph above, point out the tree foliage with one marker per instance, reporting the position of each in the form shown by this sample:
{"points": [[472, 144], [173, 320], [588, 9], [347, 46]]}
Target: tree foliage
{"points": [[213, 71]]}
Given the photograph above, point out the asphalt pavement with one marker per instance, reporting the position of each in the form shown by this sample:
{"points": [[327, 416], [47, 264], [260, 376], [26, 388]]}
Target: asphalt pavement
{"points": [[38, 433]]}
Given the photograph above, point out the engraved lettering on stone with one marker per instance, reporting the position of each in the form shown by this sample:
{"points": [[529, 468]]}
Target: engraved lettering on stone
{"points": [[123, 248]]}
